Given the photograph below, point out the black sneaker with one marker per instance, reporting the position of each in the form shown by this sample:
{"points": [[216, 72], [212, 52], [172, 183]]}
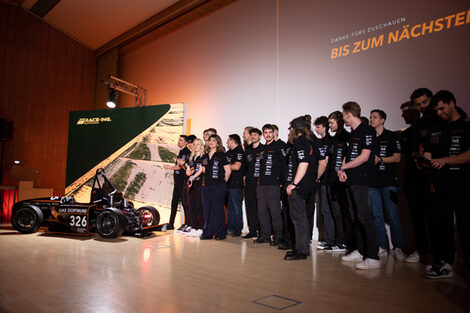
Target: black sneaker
{"points": [[295, 255], [170, 227], [181, 228], [274, 242], [261, 240], [335, 248], [248, 236], [443, 271]]}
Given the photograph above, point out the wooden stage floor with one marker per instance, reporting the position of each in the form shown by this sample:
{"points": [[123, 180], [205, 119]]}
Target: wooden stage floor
{"points": [[169, 272]]}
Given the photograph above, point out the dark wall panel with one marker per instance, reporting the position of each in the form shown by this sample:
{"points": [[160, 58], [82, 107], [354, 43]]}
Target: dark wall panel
{"points": [[44, 74]]}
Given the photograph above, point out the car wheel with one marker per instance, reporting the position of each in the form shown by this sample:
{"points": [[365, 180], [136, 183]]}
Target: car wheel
{"points": [[149, 216], [25, 220], [110, 224]]}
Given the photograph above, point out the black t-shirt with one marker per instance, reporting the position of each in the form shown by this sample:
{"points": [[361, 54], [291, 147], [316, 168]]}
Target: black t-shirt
{"points": [[325, 145], [236, 178], [284, 147], [362, 138], [252, 164], [184, 155], [408, 140], [196, 164], [385, 174], [337, 152], [273, 164], [214, 168], [448, 140], [303, 151]]}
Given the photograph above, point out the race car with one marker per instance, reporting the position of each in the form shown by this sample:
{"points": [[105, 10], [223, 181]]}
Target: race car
{"points": [[108, 213]]}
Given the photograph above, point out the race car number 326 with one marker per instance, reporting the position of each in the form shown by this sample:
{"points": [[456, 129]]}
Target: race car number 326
{"points": [[78, 220]]}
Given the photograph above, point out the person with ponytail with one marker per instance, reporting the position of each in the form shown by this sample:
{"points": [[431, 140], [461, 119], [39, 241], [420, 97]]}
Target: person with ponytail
{"points": [[302, 171]]}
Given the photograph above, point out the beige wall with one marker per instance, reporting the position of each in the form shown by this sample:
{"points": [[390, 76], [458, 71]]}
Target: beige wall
{"points": [[227, 68]]}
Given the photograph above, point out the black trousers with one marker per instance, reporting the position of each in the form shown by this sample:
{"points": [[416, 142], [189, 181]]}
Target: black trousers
{"points": [[197, 213], [288, 230], [269, 211], [338, 201], [361, 214], [213, 199], [251, 208], [449, 200], [310, 210], [180, 193], [298, 214], [421, 212]]}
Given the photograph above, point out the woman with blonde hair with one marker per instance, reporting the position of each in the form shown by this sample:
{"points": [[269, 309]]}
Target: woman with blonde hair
{"points": [[194, 172]]}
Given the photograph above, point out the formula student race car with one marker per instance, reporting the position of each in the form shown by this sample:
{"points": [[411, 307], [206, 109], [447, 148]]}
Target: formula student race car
{"points": [[108, 213]]}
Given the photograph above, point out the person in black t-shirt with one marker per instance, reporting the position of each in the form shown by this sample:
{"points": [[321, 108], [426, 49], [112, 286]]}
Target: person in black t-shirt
{"points": [[326, 223], [194, 172], [234, 186], [268, 190], [336, 190], [413, 187], [205, 136], [383, 190], [356, 170], [179, 176], [448, 149], [252, 168], [288, 233], [302, 172], [247, 136], [217, 171]]}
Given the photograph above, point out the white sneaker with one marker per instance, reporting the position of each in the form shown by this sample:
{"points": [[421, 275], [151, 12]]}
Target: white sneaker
{"points": [[398, 254], [190, 233], [383, 252], [198, 233], [353, 256], [413, 258], [428, 269], [321, 245], [368, 264]]}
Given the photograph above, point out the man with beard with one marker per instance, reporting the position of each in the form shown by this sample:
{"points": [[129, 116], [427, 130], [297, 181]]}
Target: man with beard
{"points": [[268, 190], [447, 146]]}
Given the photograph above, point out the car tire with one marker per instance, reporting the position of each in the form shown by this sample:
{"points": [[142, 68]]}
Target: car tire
{"points": [[155, 215], [25, 220], [110, 223]]}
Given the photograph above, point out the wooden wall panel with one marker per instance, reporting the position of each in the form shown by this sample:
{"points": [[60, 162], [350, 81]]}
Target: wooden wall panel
{"points": [[44, 74]]}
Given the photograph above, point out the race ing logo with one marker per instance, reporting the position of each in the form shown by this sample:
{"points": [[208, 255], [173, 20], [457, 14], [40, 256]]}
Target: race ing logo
{"points": [[93, 120]]}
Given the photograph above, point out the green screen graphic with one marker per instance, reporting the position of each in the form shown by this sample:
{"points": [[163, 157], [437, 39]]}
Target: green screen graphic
{"points": [[95, 135]]}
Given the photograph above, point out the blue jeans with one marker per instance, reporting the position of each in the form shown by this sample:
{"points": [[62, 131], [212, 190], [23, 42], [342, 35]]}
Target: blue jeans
{"points": [[234, 210], [386, 197]]}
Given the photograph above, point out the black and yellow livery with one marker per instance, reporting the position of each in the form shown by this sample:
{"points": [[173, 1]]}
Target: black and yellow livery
{"points": [[108, 213]]}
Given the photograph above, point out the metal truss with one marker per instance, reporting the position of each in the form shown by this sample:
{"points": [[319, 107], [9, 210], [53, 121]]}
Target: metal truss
{"points": [[140, 93]]}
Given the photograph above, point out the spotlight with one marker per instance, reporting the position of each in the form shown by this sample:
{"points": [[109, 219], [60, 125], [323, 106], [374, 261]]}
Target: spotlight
{"points": [[111, 103], [16, 162]]}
